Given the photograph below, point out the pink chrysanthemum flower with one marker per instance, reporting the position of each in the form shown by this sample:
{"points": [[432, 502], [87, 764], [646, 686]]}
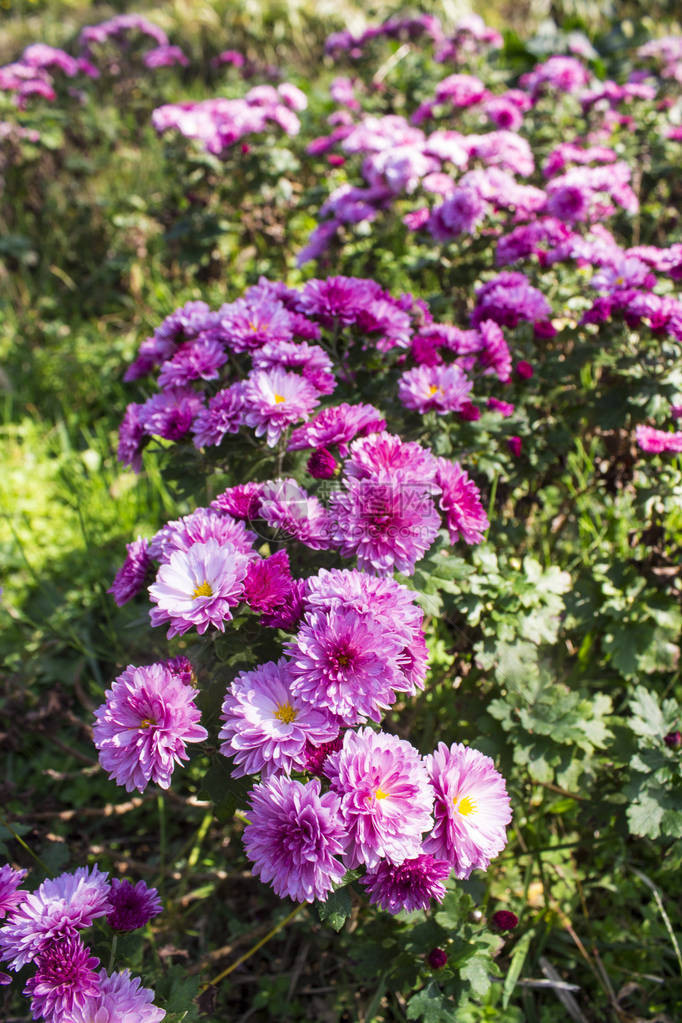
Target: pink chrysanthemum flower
{"points": [[120, 1000], [294, 838], [438, 388], [386, 799], [61, 906], [198, 587], [337, 426], [461, 502], [273, 399], [471, 810], [265, 726], [65, 978], [387, 526], [381, 600], [346, 663], [386, 458], [268, 582], [142, 729], [288, 507], [410, 886], [656, 441], [201, 525], [242, 501], [130, 578], [10, 893], [133, 905], [223, 415]]}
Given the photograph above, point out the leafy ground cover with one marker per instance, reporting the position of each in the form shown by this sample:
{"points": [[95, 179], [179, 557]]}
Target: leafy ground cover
{"points": [[470, 236]]}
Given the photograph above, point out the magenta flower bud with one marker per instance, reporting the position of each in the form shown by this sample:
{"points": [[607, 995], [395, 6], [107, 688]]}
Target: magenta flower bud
{"points": [[322, 464], [673, 740], [437, 958], [524, 369], [469, 412], [336, 160], [514, 445], [504, 920]]}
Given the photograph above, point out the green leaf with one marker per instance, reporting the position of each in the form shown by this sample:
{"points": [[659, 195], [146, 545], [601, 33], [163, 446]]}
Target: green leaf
{"points": [[476, 972], [227, 793], [336, 909], [515, 966], [431, 1006]]}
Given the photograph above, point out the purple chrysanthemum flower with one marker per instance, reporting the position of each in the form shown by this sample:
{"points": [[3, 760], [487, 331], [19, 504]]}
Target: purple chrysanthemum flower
{"points": [[505, 408], [242, 501], [461, 502], [494, 355], [64, 979], [182, 667], [265, 726], [471, 811], [170, 414], [199, 526], [131, 436], [10, 893], [294, 838], [509, 298], [311, 360], [386, 799], [438, 388], [461, 212], [268, 582], [195, 360], [130, 578], [314, 757], [248, 324], [121, 999], [337, 299], [133, 904], [384, 601], [61, 906], [337, 425], [385, 458], [410, 886], [288, 614], [387, 526], [273, 399], [322, 465], [346, 663], [142, 729], [288, 507], [225, 414], [198, 587]]}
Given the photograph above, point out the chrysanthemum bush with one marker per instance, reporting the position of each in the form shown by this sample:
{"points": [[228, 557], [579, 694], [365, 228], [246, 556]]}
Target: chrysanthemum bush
{"points": [[421, 552], [332, 793]]}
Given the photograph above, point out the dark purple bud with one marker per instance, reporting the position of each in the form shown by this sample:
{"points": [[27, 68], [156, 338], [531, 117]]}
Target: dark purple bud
{"points": [[524, 369], [437, 958], [673, 740], [504, 920], [322, 464], [514, 445], [469, 412]]}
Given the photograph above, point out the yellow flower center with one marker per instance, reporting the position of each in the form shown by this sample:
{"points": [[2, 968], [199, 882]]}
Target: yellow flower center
{"points": [[286, 713], [381, 795], [466, 806], [147, 722], [203, 590], [433, 388], [279, 398], [620, 280]]}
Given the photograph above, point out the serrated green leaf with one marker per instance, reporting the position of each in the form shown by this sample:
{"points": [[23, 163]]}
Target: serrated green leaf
{"points": [[430, 1006]]}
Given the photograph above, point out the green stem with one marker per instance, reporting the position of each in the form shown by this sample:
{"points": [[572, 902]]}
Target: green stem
{"points": [[160, 802], [112, 955], [254, 948], [21, 842]]}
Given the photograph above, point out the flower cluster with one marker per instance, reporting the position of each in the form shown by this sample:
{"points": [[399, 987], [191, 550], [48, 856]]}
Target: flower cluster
{"points": [[43, 928], [218, 123]]}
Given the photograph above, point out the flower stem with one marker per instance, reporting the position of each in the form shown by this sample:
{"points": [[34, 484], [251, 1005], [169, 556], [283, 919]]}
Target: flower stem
{"points": [[21, 842], [259, 944], [112, 954]]}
